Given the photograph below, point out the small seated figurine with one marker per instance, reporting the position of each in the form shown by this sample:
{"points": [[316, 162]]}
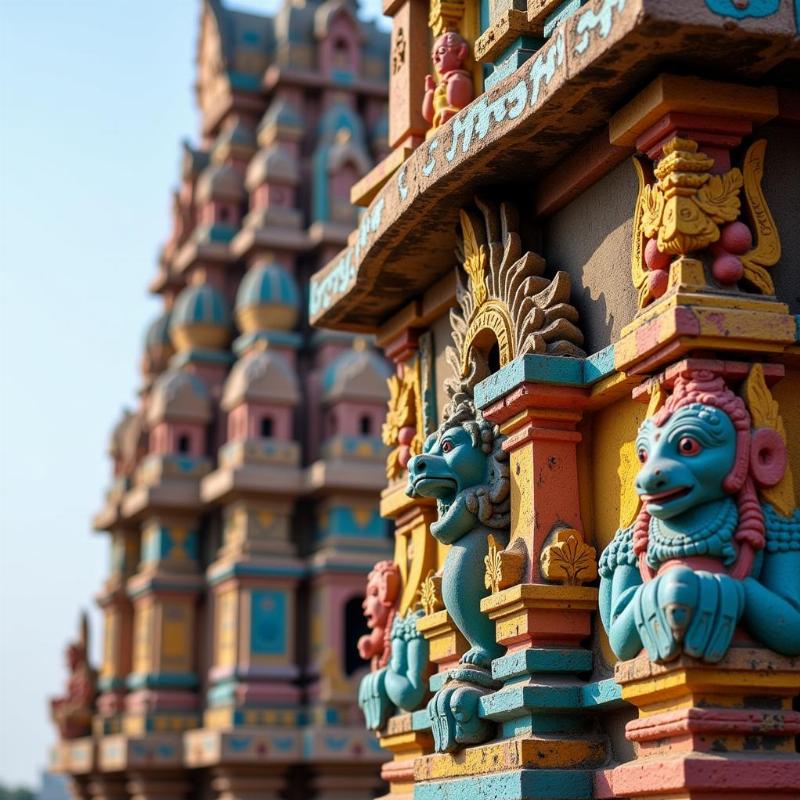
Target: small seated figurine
{"points": [[72, 713], [706, 553], [452, 90], [397, 651]]}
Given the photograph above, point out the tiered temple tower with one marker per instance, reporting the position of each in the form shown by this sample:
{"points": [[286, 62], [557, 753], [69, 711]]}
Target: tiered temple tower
{"points": [[582, 257], [243, 515]]}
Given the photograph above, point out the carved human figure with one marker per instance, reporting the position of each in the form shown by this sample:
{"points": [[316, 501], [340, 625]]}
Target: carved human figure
{"points": [[380, 600], [705, 554], [464, 467], [398, 653], [72, 713], [451, 89]]}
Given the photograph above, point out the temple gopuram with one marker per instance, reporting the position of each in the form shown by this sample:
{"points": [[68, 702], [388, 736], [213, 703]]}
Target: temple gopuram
{"points": [[242, 517], [582, 257]]}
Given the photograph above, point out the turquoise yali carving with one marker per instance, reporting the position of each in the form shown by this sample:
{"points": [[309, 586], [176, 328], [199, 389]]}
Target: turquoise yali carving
{"points": [[397, 651], [716, 544], [402, 682], [464, 467]]}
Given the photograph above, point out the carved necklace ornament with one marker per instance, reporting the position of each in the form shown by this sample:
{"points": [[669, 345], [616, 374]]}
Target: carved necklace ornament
{"points": [[717, 540], [688, 210]]}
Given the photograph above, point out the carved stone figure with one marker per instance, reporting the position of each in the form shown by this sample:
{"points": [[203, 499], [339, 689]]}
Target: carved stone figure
{"points": [[451, 90], [706, 553], [464, 467], [383, 590], [398, 653], [72, 713]]}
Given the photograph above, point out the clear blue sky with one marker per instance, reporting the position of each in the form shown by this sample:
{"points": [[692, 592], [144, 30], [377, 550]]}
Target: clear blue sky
{"points": [[95, 96]]}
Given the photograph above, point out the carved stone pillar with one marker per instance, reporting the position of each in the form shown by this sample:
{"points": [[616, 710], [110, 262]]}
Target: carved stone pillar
{"points": [[406, 741], [547, 541], [408, 64], [705, 730], [704, 239]]}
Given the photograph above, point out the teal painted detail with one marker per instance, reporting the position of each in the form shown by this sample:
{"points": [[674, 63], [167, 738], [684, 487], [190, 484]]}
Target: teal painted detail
{"points": [[456, 471], [563, 11], [240, 80], [754, 8], [454, 710], [161, 680], [200, 355], [464, 467], [797, 316], [342, 521], [267, 284], [157, 334], [111, 684], [600, 21], [544, 699], [268, 622], [201, 304], [420, 721], [222, 693], [342, 77], [691, 509], [356, 446], [535, 368], [159, 543], [485, 15], [401, 684], [279, 338], [602, 694], [543, 784], [512, 58], [218, 232], [523, 663]]}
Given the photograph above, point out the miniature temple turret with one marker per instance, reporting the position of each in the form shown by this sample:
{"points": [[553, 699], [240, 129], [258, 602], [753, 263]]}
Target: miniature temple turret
{"points": [[240, 547], [580, 258]]}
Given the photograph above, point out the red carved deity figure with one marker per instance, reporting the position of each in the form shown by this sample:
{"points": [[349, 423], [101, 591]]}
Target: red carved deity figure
{"points": [[72, 713], [383, 591], [452, 89]]}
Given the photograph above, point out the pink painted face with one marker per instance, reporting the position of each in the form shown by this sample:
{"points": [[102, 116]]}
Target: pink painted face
{"points": [[375, 610], [449, 52]]}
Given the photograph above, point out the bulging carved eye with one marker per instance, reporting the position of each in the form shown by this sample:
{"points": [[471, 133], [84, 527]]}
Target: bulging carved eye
{"points": [[688, 446], [641, 454], [447, 446]]}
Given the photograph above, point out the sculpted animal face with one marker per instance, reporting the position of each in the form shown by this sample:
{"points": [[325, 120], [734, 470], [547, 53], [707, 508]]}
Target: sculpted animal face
{"points": [[447, 466], [685, 460]]}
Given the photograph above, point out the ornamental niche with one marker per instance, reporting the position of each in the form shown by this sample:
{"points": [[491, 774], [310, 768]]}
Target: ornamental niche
{"points": [[508, 307], [688, 210], [716, 543]]}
